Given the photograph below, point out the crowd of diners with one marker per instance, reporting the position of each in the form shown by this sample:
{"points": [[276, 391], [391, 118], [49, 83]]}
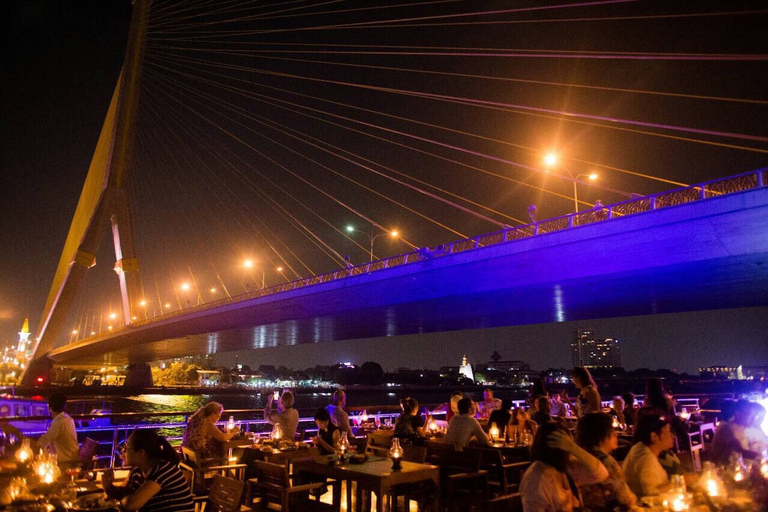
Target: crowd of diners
{"points": [[572, 442]]}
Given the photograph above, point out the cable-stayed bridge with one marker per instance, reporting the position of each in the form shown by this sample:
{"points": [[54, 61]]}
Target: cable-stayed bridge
{"points": [[667, 253], [256, 133]]}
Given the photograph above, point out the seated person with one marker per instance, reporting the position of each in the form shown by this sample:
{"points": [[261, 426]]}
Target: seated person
{"points": [[629, 411], [642, 469], [756, 438], [409, 426], [164, 487], [203, 436], [488, 405], [617, 410], [286, 417], [542, 414], [328, 434], [559, 407], [450, 409], [463, 427], [521, 424], [133, 482], [501, 417], [730, 437], [336, 409], [560, 467], [596, 434]]}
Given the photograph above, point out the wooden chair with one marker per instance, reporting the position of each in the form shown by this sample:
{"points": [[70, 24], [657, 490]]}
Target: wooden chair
{"points": [[707, 431], [299, 435], [462, 481], [200, 479], [379, 443], [195, 459], [226, 495], [506, 503], [274, 488], [503, 477], [360, 444]]}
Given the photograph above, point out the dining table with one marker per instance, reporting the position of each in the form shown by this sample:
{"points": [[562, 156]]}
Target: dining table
{"points": [[375, 475]]}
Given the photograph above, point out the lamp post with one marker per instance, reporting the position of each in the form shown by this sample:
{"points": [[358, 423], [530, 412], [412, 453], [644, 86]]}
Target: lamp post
{"points": [[550, 161], [249, 265], [371, 236]]}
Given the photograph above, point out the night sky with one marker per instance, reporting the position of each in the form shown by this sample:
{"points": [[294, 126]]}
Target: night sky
{"points": [[60, 61]]}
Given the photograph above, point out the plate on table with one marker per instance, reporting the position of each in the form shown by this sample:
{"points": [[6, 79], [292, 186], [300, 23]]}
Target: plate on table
{"points": [[358, 458], [93, 503]]}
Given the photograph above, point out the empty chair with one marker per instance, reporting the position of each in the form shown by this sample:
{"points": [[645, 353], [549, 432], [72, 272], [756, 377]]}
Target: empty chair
{"points": [[273, 488], [226, 495]]}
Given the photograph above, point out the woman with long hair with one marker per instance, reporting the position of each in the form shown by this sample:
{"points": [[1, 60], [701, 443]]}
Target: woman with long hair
{"points": [[202, 435], [595, 433], [164, 487], [588, 401], [560, 467], [409, 426]]}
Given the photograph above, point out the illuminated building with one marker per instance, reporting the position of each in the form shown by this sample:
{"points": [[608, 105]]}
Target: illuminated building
{"points": [[465, 370], [590, 352], [24, 343]]}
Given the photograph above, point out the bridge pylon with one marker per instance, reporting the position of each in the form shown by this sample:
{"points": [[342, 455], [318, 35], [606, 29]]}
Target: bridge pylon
{"points": [[103, 201]]}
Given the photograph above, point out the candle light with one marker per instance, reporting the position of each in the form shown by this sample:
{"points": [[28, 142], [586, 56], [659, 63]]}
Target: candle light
{"points": [[24, 454], [231, 424], [396, 453], [494, 432]]}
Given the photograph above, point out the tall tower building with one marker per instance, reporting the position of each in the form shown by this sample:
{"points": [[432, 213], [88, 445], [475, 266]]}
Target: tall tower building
{"points": [[590, 352], [465, 369], [24, 343]]}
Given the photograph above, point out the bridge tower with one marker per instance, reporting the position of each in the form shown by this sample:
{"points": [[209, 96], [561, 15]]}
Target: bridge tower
{"points": [[103, 203]]}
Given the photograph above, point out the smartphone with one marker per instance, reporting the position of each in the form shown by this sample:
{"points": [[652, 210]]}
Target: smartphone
{"points": [[276, 395]]}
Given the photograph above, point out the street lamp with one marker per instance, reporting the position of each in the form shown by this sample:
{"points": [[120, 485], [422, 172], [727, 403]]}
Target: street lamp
{"points": [[550, 160], [371, 237], [249, 264]]}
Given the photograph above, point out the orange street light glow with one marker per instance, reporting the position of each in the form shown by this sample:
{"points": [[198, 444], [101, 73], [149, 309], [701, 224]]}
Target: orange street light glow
{"points": [[592, 176], [248, 263], [185, 286], [550, 159]]}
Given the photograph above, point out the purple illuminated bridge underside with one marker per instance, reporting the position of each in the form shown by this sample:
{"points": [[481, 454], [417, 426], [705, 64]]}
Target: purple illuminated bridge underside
{"points": [[706, 250]]}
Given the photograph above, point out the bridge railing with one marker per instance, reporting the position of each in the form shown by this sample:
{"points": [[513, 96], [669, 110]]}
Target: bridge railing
{"points": [[635, 205]]}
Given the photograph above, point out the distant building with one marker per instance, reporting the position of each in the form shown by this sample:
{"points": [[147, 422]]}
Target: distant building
{"points": [[590, 352], [496, 363], [735, 372], [465, 370]]}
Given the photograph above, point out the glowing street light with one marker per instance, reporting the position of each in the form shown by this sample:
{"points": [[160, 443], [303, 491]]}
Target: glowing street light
{"points": [[249, 264], [550, 160], [393, 233]]}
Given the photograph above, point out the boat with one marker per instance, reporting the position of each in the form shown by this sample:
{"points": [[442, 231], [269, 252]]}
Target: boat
{"points": [[36, 408]]}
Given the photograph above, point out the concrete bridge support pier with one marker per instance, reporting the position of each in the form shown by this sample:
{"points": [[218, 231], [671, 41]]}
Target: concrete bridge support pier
{"points": [[138, 376]]}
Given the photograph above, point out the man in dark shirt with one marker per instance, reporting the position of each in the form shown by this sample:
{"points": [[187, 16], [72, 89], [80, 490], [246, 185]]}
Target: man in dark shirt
{"points": [[543, 408]]}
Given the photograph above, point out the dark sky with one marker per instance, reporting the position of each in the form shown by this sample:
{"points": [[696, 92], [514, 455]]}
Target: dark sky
{"points": [[60, 61]]}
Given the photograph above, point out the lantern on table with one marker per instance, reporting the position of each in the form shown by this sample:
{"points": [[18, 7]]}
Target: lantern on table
{"points": [[24, 453], [396, 454], [342, 445], [231, 424], [493, 432], [277, 433]]}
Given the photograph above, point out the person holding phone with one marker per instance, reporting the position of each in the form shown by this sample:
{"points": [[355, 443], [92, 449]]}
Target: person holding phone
{"points": [[286, 416]]}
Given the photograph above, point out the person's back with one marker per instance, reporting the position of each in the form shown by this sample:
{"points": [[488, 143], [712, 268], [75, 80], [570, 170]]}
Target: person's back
{"points": [[61, 434], [339, 416], [463, 427]]}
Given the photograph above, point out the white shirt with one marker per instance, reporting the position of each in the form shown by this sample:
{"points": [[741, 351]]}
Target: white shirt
{"points": [[62, 437], [643, 471], [545, 489], [339, 417], [288, 421], [461, 429]]}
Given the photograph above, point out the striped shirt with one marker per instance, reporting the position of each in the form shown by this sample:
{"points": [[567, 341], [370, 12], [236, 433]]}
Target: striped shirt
{"points": [[174, 494]]}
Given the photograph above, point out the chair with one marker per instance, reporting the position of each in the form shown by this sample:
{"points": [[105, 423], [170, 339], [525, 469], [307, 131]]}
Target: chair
{"points": [[226, 495], [299, 435], [421, 492], [506, 503], [200, 479], [462, 481], [87, 452], [195, 459], [379, 443], [503, 477], [360, 444], [707, 431], [273, 485]]}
